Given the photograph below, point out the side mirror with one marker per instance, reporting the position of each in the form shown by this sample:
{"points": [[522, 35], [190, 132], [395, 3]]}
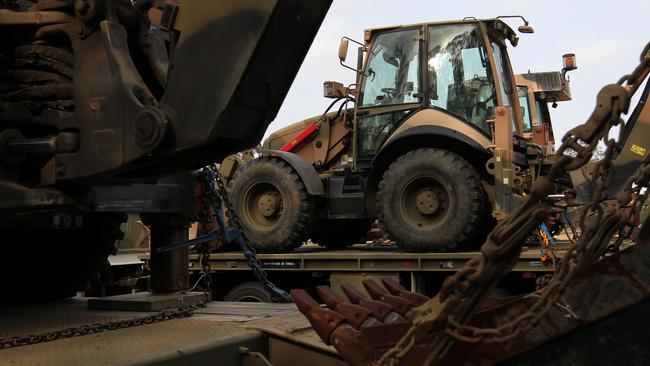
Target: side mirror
{"points": [[522, 28], [525, 29], [343, 53], [343, 49]]}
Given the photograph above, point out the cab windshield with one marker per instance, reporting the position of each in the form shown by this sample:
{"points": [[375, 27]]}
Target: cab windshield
{"points": [[459, 77], [391, 75], [458, 73]]}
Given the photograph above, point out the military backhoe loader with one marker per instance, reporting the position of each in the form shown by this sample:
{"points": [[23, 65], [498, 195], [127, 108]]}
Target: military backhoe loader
{"points": [[538, 90], [434, 144], [105, 108]]}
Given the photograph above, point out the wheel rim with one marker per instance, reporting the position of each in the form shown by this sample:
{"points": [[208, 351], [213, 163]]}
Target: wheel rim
{"points": [[249, 298], [424, 203], [262, 206]]}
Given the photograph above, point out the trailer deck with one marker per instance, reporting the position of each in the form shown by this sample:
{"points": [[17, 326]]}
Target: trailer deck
{"points": [[213, 335], [217, 332], [367, 258]]}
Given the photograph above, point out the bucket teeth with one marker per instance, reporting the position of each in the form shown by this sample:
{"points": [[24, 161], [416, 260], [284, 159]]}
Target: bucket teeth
{"points": [[363, 329], [356, 315], [324, 321], [396, 289], [380, 310], [377, 292]]}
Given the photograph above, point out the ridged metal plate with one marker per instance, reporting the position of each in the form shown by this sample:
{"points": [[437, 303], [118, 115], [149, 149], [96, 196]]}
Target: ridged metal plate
{"points": [[213, 334]]}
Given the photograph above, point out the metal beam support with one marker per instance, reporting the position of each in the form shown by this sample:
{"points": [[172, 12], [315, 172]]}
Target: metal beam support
{"points": [[169, 271], [503, 169]]}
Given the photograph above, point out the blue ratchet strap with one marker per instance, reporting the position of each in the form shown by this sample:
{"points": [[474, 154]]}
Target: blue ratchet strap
{"points": [[551, 243], [225, 233], [569, 221], [551, 240]]}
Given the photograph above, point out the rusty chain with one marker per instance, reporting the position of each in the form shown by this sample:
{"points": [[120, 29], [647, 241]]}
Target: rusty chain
{"points": [[181, 312], [81, 330], [94, 328], [221, 196], [577, 257], [464, 291]]}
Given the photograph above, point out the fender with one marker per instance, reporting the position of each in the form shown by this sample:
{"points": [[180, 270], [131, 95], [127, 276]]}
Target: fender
{"points": [[448, 137], [306, 171], [446, 134]]}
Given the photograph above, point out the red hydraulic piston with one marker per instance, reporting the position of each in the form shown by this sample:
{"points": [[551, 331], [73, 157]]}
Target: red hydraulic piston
{"points": [[302, 136]]}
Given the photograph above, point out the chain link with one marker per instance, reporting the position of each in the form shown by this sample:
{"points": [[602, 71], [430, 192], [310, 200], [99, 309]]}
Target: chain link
{"points": [[218, 196], [81, 330], [94, 328], [181, 312], [205, 275], [577, 257]]}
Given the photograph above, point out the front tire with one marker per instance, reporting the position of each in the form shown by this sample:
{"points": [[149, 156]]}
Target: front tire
{"points": [[431, 200], [272, 204]]}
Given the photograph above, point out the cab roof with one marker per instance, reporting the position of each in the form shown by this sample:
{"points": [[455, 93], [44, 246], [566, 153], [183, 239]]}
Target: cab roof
{"points": [[491, 23]]}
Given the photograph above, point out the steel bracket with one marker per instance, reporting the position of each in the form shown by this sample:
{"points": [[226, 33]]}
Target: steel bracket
{"points": [[251, 358]]}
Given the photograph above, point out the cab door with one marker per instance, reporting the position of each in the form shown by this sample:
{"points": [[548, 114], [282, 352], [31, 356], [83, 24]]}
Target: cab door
{"points": [[390, 90]]}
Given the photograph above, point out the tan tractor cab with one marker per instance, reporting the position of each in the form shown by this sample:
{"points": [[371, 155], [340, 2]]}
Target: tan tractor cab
{"points": [[430, 140], [536, 91]]}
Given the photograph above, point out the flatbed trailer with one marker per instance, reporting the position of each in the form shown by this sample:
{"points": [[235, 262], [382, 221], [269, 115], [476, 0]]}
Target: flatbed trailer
{"points": [[228, 333], [364, 258], [220, 333], [223, 333], [311, 265]]}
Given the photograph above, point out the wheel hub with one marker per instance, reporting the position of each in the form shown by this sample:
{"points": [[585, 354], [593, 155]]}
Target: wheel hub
{"points": [[424, 203], [268, 204], [427, 202]]}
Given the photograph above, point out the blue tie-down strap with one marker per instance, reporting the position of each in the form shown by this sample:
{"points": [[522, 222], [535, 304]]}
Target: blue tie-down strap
{"points": [[277, 294], [569, 220], [213, 235], [224, 232], [551, 240]]}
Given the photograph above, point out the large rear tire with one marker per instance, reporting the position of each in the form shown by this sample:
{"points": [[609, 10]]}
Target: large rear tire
{"points": [[272, 204], [431, 200]]}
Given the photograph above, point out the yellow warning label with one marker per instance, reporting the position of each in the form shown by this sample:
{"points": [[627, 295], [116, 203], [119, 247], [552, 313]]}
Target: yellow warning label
{"points": [[638, 150]]}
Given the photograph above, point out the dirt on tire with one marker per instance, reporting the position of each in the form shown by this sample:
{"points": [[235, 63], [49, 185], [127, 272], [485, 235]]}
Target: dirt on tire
{"points": [[272, 204], [450, 199]]}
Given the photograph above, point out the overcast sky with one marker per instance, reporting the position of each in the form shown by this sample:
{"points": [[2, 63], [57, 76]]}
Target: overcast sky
{"points": [[606, 36]]}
